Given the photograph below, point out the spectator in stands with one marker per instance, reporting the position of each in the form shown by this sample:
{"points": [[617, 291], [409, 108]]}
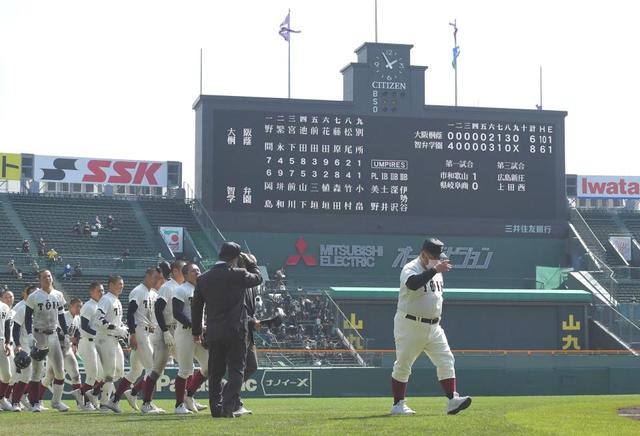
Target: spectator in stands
{"points": [[77, 230], [86, 229], [77, 270], [66, 273], [35, 268], [110, 222], [11, 267], [269, 338], [125, 254], [280, 277], [42, 247], [26, 246], [52, 255], [97, 223]]}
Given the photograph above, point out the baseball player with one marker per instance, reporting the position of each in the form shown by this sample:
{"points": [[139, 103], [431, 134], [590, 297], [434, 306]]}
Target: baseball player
{"points": [[43, 315], [86, 345], [69, 348], [21, 377], [6, 297], [109, 329], [5, 355], [417, 328], [186, 348], [140, 324], [163, 340]]}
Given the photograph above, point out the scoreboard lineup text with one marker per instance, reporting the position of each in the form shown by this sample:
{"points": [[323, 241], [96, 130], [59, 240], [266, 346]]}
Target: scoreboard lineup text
{"points": [[346, 164]]}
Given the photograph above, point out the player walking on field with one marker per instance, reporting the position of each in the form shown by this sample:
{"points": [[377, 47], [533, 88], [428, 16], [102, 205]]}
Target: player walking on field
{"points": [[109, 330], [43, 315], [417, 328], [87, 345]]}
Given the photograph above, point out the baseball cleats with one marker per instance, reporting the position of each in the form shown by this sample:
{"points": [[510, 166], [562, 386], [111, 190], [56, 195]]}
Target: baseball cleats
{"points": [[17, 407], [6, 405], [131, 399], [457, 404], [151, 408], [191, 404], [242, 411], [25, 403], [87, 408], [92, 399], [113, 405], [182, 410], [401, 408], [37, 407], [59, 406]]}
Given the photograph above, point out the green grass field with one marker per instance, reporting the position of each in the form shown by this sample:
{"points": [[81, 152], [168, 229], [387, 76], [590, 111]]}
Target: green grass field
{"points": [[579, 415]]}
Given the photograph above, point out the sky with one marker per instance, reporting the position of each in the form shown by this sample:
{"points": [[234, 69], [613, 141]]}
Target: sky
{"points": [[118, 78]]}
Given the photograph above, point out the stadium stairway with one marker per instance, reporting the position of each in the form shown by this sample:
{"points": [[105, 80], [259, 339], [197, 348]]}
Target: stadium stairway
{"points": [[594, 226]]}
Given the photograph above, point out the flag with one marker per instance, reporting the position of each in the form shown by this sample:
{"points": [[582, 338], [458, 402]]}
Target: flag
{"points": [[456, 47], [285, 30], [456, 53]]}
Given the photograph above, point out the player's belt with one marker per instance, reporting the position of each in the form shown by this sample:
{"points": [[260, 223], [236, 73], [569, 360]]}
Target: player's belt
{"points": [[424, 320], [149, 329], [88, 339], [44, 332]]}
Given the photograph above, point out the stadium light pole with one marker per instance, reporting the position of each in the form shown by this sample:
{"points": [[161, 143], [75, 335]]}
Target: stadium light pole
{"points": [[376, 18]]}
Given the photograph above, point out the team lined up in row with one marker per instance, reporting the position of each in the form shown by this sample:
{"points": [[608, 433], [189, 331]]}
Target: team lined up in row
{"points": [[158, 326]]}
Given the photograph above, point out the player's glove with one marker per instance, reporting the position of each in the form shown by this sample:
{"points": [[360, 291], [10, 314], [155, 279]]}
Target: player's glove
{"points": [[168, 339]]}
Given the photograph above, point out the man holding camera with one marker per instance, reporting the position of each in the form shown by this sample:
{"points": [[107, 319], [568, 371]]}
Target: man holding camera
{"points": [[223, 290]]}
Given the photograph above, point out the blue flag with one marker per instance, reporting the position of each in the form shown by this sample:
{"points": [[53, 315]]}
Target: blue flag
{"points": [[456, 53], [285, 30]]}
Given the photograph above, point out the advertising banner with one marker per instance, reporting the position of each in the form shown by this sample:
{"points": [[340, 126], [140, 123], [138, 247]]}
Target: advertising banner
{"points": [[608, 187], [100, 171], [174, 238], [623, 245], [10, 166]]}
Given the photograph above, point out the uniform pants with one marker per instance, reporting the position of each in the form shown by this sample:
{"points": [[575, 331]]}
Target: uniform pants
{"points": [[54, 357], [161, 353], [141, 358], [5, 365], [91, 361], [111, 357], [413, 338], [228, 354], [187, 350], [71, 368]]}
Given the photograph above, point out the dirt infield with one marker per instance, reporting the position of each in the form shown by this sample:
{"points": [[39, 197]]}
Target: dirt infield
{"points": [[630, 412]]}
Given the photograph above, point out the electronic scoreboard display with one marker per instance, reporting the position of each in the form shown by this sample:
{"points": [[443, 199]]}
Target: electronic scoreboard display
{"points": [[333, 170]]}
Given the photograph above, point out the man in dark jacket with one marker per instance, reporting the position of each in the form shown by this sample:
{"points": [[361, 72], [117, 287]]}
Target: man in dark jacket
{"points": [[222, 291]]}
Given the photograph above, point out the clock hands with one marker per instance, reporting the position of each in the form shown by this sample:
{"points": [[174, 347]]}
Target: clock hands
{"points": [[389, 64]]}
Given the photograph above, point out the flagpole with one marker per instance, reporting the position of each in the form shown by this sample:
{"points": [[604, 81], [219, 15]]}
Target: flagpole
{"points": [[540, 87], [289, 59], [376, 18], [456, 83], [200, 70]]}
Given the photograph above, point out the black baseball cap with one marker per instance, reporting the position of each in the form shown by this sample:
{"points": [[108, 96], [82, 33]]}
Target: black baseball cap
{"points": [[435, 248], [228, 251]]}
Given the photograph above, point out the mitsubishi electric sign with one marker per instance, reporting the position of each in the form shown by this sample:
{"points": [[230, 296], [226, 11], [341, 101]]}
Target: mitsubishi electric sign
{"points": [[336, 255]]}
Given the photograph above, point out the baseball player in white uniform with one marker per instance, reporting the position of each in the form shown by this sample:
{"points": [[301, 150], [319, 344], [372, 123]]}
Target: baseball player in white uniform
{"points": [[417, 328], [6, 344], [87, 345], [5, 355], [43, 315], [186, 348], [109, 329], [163, 340], [21, 377], [141, 328], [67, 343]]}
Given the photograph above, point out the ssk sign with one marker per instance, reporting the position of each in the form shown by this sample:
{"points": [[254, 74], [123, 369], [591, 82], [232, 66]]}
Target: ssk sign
{"points": [[100, 171]]}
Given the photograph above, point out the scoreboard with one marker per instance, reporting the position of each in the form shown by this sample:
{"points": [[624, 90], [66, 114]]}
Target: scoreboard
{"points": [[381, 161], [273, 164]]}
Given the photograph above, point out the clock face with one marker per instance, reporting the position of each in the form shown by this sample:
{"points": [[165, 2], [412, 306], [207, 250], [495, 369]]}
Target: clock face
{"points": [[389, 66]]}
